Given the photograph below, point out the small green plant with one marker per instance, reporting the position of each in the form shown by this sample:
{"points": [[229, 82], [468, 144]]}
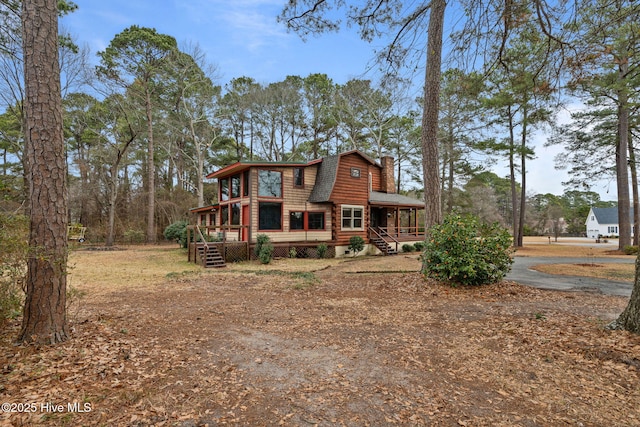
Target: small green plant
{"points": [[322, 250], [177, 232], [261, 240], [540, 316], [631, 250], [356, 244], [293, 252], [407, 247], [461, 250], [264, 248], [419, 246]]}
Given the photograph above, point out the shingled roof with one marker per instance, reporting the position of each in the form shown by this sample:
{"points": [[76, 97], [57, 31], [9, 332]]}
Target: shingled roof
{"points": [[393, 199], [609, 215], [325, 179]]}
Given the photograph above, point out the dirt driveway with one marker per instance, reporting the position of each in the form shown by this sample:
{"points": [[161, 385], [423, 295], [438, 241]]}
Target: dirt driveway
{"points": [[351, 344]]}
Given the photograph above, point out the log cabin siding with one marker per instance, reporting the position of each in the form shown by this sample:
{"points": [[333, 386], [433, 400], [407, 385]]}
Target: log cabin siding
{"points": [[376, 174], [351, 191]]}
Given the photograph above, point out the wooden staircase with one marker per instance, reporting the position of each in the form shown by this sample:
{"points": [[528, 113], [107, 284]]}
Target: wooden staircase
{"points": [[211, 258], [384, 247]]}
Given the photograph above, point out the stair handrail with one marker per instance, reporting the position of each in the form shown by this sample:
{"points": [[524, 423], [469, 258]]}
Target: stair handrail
{"points": [[380, 232], [386, 233], [206, 245]]}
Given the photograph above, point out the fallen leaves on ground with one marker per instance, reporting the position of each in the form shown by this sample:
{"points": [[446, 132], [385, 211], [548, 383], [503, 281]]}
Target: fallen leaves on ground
{"points": [[348, 349]]}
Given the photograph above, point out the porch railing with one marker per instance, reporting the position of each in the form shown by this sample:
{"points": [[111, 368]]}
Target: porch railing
{"points": [[221, 236], [403, 233]]}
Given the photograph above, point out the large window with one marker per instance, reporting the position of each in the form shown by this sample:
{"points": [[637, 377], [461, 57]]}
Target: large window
{"points": [[269, 183], [269, 216], [235, 186], [224, 215], [352, 217], [235, 214], [224, 189]]}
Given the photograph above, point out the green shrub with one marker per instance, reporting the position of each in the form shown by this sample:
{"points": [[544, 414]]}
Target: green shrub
{"points": [[407, 247], [293, 252], [261, 240], [266, 252], [356, 244], [14, 249], [322, 250], [461, 250], [631, 250], [419, 246], [177, 232]]}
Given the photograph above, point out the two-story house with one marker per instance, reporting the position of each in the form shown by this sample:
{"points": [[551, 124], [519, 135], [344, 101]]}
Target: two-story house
{"points": [[303, 204]]}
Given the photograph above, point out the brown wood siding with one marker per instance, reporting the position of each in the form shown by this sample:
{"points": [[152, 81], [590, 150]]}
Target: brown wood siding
{"points": [[376, 177], [293, 199], [354, 192]]}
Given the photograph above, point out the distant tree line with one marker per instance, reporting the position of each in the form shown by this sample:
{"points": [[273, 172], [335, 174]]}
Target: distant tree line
{"points": [[144, 126]]}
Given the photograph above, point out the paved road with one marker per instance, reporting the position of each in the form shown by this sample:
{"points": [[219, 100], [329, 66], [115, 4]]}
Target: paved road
{"points": [[521, 273]]}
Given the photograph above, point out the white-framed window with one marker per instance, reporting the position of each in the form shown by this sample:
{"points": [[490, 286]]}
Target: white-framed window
{"points": [[613, 229], [352, 217]]}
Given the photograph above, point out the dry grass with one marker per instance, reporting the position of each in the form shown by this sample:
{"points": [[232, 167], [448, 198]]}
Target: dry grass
{"points": [[619, 272], [103, 271], [566, 247], [137, 267]]}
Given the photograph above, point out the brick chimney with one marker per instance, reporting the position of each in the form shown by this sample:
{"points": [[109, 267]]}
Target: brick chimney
{"points": [[388, 182]]}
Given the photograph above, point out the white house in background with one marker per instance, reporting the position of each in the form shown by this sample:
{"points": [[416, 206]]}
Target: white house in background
{"points": [[604, 222]]}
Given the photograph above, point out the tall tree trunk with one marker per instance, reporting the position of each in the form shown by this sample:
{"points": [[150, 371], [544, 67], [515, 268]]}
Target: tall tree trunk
{"points": [[151, 171], [622, 167], [634, 189], [430, 157], [630, 317], [44, 317], [113, 198], [512, 179], [523, 174]]}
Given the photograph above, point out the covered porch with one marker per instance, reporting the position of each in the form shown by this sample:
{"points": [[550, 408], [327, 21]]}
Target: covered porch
{"points": [[395, 219]]}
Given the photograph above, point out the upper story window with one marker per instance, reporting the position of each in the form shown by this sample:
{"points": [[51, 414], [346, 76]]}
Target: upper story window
{"points": [[235, 186], [224, 189], [355, 172], [246, 183], [298, 177], [269, 183]]}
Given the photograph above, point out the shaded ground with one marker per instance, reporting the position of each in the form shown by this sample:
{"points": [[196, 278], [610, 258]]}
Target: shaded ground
{"points": [[351, 344]]}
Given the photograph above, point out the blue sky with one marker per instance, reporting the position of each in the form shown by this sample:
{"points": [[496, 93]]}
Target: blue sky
{"points": [[240, 37], [243, 38]]}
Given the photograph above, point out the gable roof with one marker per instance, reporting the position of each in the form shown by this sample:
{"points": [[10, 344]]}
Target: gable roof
{"points": [[608, 215]]}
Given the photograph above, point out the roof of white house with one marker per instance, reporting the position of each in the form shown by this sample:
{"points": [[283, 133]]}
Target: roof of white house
{"points": [[608, 215]]}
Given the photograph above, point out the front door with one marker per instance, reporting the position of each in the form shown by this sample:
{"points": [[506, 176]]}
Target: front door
{"points": [[378, 217], [245, 223]]}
